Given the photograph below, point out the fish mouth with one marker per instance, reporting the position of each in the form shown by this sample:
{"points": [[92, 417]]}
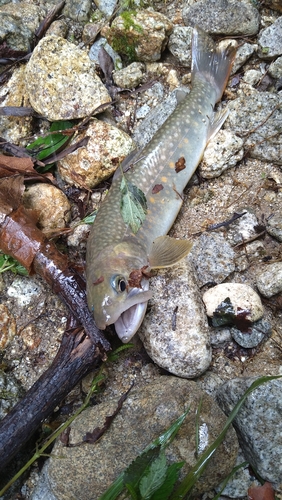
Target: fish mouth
{"points": [[131, 318]]}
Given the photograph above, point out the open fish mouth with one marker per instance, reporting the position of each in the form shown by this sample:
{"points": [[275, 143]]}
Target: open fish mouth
{"points": [[131, 318]]}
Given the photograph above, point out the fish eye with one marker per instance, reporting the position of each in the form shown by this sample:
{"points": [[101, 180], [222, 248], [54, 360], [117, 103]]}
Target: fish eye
{"points": [[119, 283]]}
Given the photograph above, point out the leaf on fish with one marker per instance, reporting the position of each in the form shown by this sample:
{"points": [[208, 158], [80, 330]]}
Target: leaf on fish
{"points": [[157, 188], [133, 205], [180, 164]]}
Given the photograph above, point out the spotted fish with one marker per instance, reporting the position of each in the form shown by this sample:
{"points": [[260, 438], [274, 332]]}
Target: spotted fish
{"points": [[117, 260]]}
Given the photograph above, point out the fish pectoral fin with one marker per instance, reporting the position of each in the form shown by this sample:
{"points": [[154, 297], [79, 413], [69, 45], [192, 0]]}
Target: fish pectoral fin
{"points": [[216, 122], [167, 251]]}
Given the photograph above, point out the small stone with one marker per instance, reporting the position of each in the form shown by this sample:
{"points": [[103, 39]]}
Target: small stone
{"points": [[227, 17], [270, 40], [243, 53], [51, 205], [24, 290], [79, 235], [61, 81], [220, 336], [129, 77], [179, 44], [254, 335], [175, 332], [140, 36], [222, 152], [213, 258], [106, 6], [90, 31], [274, 226], [88, 166], [78, 10], [252, 77], [275, 68], [269, 282], [95, 49], [8, 327], [18, 22], [242, 298], [243, 228]]}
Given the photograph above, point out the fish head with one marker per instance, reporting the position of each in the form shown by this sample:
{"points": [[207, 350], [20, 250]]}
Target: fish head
{"points": [[113, 297]]}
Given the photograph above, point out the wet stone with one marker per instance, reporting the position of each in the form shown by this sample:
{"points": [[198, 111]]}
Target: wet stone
{"points": [[269, 282], [254, 335], [71, 88], [174, 332]]}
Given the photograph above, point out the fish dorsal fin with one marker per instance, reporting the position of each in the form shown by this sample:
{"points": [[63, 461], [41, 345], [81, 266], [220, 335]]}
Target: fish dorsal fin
{"points": [[167, 251], [216, 122]]}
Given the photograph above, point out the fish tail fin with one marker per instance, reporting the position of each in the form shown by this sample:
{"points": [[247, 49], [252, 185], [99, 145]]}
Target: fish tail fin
{"points": [[210, 62]]}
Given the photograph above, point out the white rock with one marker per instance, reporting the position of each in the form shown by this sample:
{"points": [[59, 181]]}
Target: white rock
{"points": [[242, 297], [221, 153], [175, 332], [269, 282]]}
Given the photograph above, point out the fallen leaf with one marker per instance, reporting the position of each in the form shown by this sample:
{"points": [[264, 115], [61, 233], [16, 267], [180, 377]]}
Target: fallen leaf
{"points": [[265, 492], [180, 164], [157, 188]]}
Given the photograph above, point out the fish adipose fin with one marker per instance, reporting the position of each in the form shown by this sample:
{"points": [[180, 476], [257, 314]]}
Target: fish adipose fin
{"points": [[167, 251], [210, 62]]}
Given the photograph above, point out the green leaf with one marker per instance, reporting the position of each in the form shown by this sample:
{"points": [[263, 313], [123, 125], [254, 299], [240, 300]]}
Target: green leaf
{"points": [[153, 479], [7, 263], [166, 488], [46, 146], [132, 491], [133, 205], [140, 466], [89, 219]]}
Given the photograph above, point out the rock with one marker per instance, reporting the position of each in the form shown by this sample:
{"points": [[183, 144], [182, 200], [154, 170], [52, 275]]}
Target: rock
{"points": [[10, 392], [269, 282], [254, 335], [179, 44], [213, 258], [88, 166], [24, 289], [222, 152], [274, 226], [146, 413], [273, 4], [50, 203], [220, 336], [8, 328], [227, 17], [15, 129], [270, 40], [106, 6], [243, 228], [95, 49], [18, 22], [79, 235], [275, 68], [129, 77], [252, 77], [174, 332], [242, 298], [261, 112], [61, 81], [140, 36], [78, 10], [239, 483], [258, 424], [243, 53]]}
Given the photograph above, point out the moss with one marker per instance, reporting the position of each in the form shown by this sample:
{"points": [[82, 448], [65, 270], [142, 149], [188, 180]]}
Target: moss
{"points": [[125, 42], [129, 23]]}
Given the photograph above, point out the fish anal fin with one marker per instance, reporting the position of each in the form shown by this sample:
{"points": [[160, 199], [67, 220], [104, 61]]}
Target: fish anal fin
{"points": [[216, 122], [167, 251]]}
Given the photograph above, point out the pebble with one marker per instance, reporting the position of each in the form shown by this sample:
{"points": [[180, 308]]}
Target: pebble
{"points": [[213, 258], [242, 297], [95, 49], [8, 328], [139, 36], [24, 290], [243, 228], [78, 10], [244, 52], [274, 226], [18, 22], [51, 205], [146, 413], [179, 44], [223, 16], [71, 87], [258, 332], [269, 282], [88, 166], [270, 40], [174, 332], [107, 7], [222, 152], [129, 77], [258, 424], [275, 68]]}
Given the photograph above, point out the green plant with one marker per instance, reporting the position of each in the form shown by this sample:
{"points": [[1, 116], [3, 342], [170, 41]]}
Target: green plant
{"points": [[7, 263]]}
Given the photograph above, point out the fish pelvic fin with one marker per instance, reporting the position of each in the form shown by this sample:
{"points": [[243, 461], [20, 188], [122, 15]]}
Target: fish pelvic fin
{"points": [[211, 62], [167, 251]]}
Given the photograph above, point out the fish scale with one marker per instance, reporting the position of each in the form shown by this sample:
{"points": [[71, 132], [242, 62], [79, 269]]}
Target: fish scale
{"points": [[113, 251]]}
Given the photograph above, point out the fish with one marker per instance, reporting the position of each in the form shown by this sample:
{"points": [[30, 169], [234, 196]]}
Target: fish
{"points": [[119, 261]]}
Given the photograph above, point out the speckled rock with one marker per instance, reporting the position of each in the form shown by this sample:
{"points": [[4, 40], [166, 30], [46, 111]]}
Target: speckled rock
{"points": [[106, 148], [243, 53], [78, 10], [8, 327], [179, 44], [50, 203], [243, 228], [261, 112], [213, 258], [10, 392], [24, 289], [18, 22], [145, 414], [141, 36], [64, 86], [254, 335], [258, 424], [274, 226], [223, 16], [222, 152], [15, 128], [106, 6], [269, 282], [275, 68], [270, 40], [129, 77], [242, 297], [239, 483], [175, 331], [252, 77]]}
